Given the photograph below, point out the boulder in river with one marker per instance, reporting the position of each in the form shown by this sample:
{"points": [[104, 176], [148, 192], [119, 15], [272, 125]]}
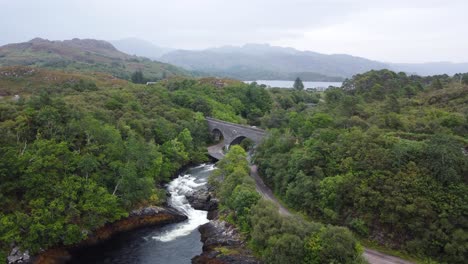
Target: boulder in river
{"points": [[202, 199]]}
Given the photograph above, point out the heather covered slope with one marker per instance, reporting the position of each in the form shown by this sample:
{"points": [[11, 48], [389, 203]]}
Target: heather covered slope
{"points": [[85, 55], [26, 80]]}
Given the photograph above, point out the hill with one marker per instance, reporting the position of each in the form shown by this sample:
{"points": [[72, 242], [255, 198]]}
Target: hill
{"points": [[254, 61], [84, 55], [431, 68], [26, 80], [140, 47]]}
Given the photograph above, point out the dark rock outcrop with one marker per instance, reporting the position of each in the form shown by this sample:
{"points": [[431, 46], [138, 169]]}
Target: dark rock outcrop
{"points": [[17, 256], [219, 233], [203, 199], [212, 214], [146, 216], [222, 243]]}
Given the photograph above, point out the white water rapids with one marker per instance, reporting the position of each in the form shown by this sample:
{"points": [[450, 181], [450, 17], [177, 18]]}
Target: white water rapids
{"points": [[176, 243], [178, 188]]}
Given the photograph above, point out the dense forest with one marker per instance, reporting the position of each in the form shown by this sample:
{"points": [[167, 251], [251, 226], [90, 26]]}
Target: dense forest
{"points": [[275, 238], [79, 151], [385, 155]]}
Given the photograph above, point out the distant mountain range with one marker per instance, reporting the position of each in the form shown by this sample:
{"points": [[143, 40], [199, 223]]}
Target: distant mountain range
{"points": [[262, 61], [83, 55], [140, 47], [254, 61], [430, 68], [248, 62]]}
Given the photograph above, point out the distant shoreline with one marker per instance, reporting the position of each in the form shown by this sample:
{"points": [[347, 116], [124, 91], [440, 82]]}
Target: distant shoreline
{"points": [[289, 84]]}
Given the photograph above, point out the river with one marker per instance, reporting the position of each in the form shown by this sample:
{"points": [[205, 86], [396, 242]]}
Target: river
{"points": [[176, 243], [289, 84]]}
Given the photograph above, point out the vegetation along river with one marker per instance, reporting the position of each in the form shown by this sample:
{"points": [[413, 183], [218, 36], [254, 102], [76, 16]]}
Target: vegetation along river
{"points": [[175, 243]]}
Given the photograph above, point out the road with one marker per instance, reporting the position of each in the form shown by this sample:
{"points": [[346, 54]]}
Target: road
{"points": [[372, 256], [266, 192], [375, 257]]}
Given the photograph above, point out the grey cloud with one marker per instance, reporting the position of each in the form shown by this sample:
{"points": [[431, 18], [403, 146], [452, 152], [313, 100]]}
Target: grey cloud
{"points": [[367, 28]]}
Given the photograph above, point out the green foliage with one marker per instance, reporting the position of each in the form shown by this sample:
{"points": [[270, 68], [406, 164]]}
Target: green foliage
{"points": [[359, 226], [385, 156], [232, 103], [276, 238], [233, 171], [436, 84], [77, 159], [444, 160], [241, 200], [322, 247], [376, 85], [247, 144], [465, 79]]}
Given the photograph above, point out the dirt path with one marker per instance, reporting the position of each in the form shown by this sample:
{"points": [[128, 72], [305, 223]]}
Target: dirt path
{"points": [[375, 257]]}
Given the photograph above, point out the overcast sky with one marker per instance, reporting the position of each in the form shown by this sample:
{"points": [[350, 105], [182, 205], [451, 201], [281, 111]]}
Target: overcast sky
{"points": [[391, 31]]}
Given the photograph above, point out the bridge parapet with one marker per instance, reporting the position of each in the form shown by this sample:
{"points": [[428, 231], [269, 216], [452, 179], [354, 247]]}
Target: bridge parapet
{"points": [[214, 120]]}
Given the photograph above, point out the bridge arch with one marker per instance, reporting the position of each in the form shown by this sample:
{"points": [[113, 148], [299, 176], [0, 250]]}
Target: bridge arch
{"points": [[231, 133], [217, 135], [237, 140]]}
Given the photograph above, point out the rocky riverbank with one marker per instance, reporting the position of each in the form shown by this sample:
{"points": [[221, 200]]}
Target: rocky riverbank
{"points": [[143, 217], [222, 242]]}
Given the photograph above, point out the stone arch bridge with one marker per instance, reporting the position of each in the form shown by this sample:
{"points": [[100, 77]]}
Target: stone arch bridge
{"points": [[231, 134]]}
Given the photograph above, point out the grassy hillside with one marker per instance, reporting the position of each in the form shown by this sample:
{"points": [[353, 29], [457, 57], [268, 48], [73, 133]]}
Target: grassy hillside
{"points": [[24, 80], [85, 55]]}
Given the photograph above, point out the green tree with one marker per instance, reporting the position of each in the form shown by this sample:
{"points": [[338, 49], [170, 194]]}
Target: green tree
{"points": [[332, 245], [137, 77], [465, 79], [298, 85], [437, 84], [284, 248], [445, 159]]}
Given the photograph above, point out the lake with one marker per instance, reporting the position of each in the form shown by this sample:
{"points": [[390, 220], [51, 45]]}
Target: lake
{"points": [[289, 84]]}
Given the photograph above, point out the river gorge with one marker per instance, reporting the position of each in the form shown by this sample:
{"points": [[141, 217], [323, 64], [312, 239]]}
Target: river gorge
{"points": [[174, 243]]}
